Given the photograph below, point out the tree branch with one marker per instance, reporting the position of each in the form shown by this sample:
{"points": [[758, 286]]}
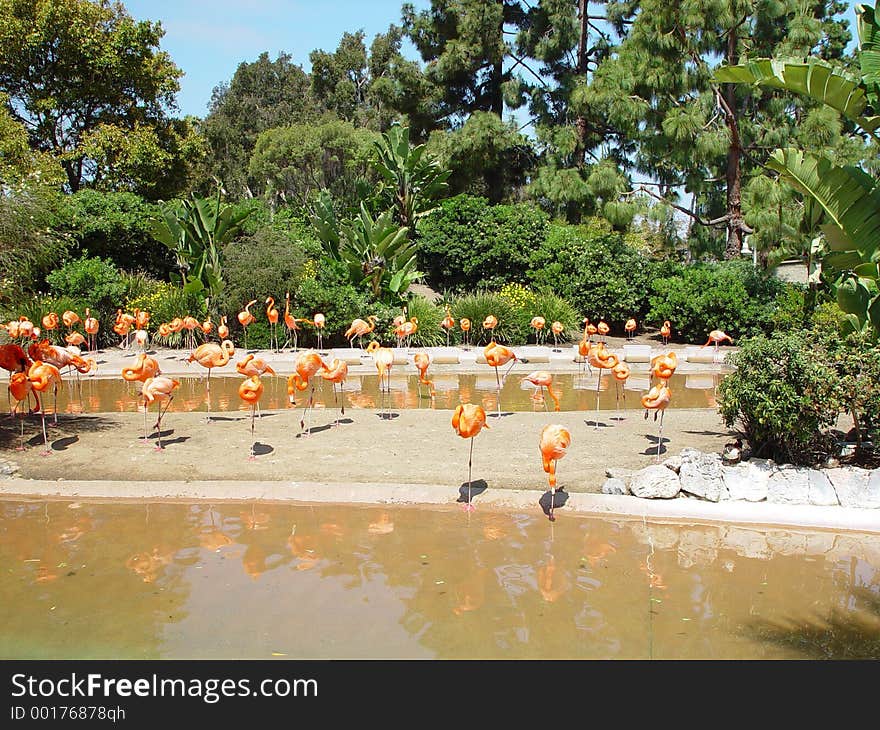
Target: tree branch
{"points": [[716, 222]]}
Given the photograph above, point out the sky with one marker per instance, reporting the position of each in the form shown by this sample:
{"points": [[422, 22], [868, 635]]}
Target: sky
{"points": [[208, 39]]}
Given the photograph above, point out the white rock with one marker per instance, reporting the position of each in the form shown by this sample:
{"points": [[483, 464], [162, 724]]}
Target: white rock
{"points": [[700, 474], [853, 486], [789, 485], [614, 472], [748, 480], [614, 486], [821, 492], [655, 482], [674, 463]]}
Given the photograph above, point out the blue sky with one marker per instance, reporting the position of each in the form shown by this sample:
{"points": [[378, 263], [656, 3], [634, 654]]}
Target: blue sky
{"points": [[207, 39]]}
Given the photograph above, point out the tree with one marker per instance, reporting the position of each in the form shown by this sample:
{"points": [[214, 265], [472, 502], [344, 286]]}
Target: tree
{"points": [[262, 95], [74, 67], [848, 196], [690, 131]]}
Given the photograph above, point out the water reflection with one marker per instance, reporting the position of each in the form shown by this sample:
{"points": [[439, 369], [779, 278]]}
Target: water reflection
{"points": [[248, 579]]}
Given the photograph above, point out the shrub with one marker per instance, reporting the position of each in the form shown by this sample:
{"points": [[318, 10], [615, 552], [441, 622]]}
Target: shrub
{"points": [[92, 280], [476, 307], [429, 333], [468, 244], [35, 306], [528, 304], [730, 296], [781, 394], [595, 270], [166, 301]]}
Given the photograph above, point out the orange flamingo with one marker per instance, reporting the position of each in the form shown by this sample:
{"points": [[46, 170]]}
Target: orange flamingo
{"points": [[555, 440], [657, 399], [159, 388], [537, 324], [542, 379], [590, 329], [13, 358], [358, 329], [663, 366], [602, 328], [308, 364], [448, 323], [141, 319], [468, 420], [191, 324], [336, 373], [630, 328], [584, 348], [620, 373], [556, 328], [75, 338], [222, 329], [245, 318], [422, 360], [383, 357], [50, 321], [718, 336], [666, 331], [250, 391], [406, 329], [207, 326], [21, 389], [601, 358], [490, 323], [90, 324], [144, 367], [290, 323], [210, 355], [43, 376], [252, 365], [319, 321], [465, 325], [497, 355], [70, 318], [272, 315]]}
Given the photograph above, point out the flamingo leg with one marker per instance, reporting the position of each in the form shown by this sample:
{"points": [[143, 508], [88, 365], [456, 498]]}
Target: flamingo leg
{"points": [[21, 434], [251, 455], [598, 384], [469, 507], [660, 440], [162, 412], [46, 450]]}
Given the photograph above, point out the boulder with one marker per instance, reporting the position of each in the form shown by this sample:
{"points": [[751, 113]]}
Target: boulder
{"points": [[617, 473], [855, 487], [655, 482], [7, 468], [789, 485], [614, 486], [674, 463], [747, 481], [820, 490], [700, 474]]}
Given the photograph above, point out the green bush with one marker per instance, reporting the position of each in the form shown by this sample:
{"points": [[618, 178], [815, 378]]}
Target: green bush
{"points": [[476, 307], [789, 311], [730, 296], [164, 302], [92, 280], [429, 333], [595, 270], [35, 306], [468, 244], [782, 394], [528, 304]]}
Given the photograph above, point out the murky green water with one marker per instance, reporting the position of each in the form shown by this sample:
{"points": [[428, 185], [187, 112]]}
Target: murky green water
{"points": [[575, 393], [177, 580]]}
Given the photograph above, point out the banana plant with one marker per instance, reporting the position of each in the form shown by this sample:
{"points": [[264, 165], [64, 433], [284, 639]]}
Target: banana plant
{"points": [[194, 230], [849, 197]]}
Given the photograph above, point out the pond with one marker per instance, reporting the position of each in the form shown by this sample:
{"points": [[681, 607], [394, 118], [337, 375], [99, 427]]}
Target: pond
{"points": [[133, 579]]}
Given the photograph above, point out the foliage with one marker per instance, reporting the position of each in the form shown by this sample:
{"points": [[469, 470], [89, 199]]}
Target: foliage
{"points": [[290, 164], [468, 244], [164, 302], [593, 268], [479, 305], [412, 179], [552, 308], [429, 333], [780, 395], [730, 296], [194, 230], [97, 69], [331, 293], [20, 166], [116, 226], [92, 280], [34, 306]]}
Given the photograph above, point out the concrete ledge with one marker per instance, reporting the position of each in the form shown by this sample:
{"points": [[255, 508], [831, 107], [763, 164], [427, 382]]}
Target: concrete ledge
{"points": [[762, 513]]}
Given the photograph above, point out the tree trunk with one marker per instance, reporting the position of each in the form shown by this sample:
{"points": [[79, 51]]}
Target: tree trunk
{"points": [[580, 123], [73, 168], [735, 222]]}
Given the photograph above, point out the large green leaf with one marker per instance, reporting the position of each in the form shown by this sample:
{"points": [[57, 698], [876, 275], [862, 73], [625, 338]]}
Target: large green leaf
{"points": [[814, 78]]}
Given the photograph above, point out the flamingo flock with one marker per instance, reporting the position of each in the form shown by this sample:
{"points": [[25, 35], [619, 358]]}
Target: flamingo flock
{"points": [[36, 371]]}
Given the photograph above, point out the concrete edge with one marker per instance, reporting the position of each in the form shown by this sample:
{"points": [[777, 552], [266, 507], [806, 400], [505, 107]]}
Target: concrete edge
{"points": [[758, 513]]}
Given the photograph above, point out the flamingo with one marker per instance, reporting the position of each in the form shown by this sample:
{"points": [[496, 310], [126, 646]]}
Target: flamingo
{"points": [[490, 323], [556, 328], [663, 366], [222, 329], [584, 347], [122, 326], [555, 440], [319, 321], [75, 338], [272, 315], [207, 326], [50, 321], [666, 331], [383, 357], [497, 355], [159, 388], [604, 360], [21, 389], [468, 420], [656, 400], [290, 322], [589, 329], [43, 376], [336, 373], [308, 364], [191, 324], [406, 329], [250, 391], [630, 328], [145, 367], [448, 323], [422, 360], [717, 336], [140, 336], [245, 318], [70, 318], [254, 366], [90, 324], [141, 319], [620, 373], [542, 379], [602, 328], [465, 325], [538, 324], [358, 329], [13, 358], [211, 355]]}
